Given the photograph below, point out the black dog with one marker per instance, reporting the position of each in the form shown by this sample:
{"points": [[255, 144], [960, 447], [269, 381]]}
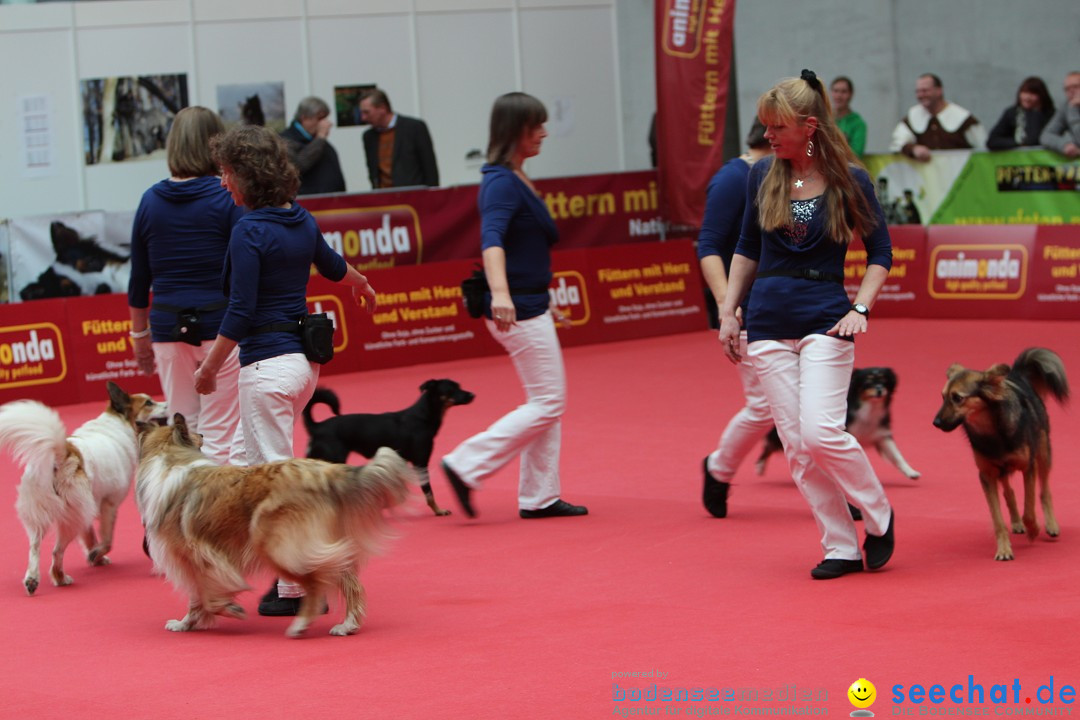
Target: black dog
{"points": [[869, 397], [411, 432]]}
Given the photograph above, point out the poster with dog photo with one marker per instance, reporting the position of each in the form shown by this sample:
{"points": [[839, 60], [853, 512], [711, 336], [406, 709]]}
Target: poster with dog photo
{"points": [[347, 103], [128, 118], [70, 255], [252, 104]]}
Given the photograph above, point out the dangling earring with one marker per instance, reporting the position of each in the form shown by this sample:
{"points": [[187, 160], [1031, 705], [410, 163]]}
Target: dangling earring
{"points": [[809, 148]]}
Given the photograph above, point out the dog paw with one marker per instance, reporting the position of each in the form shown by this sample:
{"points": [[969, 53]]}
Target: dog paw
{"points": [[61, 580], [440, 512], [297, 628], [912, 474], [1032, 529], [1018, 528], [1052, 529], [234, 611], [97, 557], [177, 626], [345, 628], [31, 584], [759, 467], [1004, 555]]}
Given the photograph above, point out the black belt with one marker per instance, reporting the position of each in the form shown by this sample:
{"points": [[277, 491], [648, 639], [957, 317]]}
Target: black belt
{"points": [[164, 307], [290, 327], [529, 291], [805, 273]]}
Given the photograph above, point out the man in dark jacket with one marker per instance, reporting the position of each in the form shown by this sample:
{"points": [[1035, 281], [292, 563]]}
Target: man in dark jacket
{"points": [[311, 152], [398, 148]]}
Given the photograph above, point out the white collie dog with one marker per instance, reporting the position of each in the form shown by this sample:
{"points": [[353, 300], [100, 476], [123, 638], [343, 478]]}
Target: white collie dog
{"points": [[312, 522], [69, 481]]}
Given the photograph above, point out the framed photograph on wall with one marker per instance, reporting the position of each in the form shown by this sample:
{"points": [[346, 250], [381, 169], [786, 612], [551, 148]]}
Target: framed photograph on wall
{"points": [[128, 118], [260, 103], [347, 103]]}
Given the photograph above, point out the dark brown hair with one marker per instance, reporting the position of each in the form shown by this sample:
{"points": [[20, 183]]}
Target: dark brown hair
{"points": [[378, 99], [188, 144], [259, 162], [844, 79], [1036, 86], [512, 114]]}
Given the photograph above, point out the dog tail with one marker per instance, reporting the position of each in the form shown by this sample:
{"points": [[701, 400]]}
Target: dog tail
{"points": [[35, 436], [382, 484], [1045, 371], [322, 396]]}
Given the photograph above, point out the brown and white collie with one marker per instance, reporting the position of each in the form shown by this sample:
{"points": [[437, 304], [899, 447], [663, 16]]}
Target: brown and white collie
{"points": [[310, 521], [70, 481]]}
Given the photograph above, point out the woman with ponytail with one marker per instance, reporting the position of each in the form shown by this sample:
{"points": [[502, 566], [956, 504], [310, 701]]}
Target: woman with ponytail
{"points": [[803, 208]]}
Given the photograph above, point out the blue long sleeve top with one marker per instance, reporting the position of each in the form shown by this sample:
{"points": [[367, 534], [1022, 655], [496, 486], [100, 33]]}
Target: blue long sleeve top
{"points": [[514, 218], [178, 243], [784, 308], [266, 275], [725, 200]]}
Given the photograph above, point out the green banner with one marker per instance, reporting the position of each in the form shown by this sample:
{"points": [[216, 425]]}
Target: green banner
{"points": [[1019, 187]]}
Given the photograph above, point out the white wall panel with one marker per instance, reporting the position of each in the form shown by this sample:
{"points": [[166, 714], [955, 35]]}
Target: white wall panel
{"points": [[467, 60], [569, 62]]}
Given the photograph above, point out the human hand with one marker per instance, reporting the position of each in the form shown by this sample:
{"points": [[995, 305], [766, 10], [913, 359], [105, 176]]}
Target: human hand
{"points": [[560, 318], [1070, 150], [205, 380], [921, 153], [144, 355], [322, 130], [729, 338], [849, 325], [503, 312], [365, 295]]}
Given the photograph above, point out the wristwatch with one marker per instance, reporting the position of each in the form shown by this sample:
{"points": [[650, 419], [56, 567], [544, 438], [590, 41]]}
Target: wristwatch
{"points": [[861, 309]]}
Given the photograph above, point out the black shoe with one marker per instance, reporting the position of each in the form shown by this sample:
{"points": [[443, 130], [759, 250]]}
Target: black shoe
{"points": [[463, 491], [878, 549], [559, 508], [856, 513], [829, 569], [271, 605], [714, 496]]}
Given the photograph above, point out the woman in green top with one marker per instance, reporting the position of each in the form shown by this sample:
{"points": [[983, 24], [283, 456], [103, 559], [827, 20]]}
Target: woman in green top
{"points": [[849, 121]]}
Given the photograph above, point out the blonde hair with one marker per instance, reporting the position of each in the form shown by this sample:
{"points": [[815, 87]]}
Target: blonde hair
{"points": [[188, 145], [792, 101]]}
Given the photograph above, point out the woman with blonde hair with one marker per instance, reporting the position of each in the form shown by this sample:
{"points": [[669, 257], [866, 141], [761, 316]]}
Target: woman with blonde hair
{"points": [[178, 244], [803, 208]]}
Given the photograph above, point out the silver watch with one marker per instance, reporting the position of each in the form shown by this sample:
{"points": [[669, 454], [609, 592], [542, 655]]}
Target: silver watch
{"points": [[861, 309]]}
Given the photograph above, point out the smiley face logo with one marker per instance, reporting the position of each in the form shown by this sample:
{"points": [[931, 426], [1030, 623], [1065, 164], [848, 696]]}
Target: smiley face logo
{"points": [[862, 693]]}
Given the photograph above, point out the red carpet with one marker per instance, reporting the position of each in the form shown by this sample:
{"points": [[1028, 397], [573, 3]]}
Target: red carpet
{"points": [[499, 617]]}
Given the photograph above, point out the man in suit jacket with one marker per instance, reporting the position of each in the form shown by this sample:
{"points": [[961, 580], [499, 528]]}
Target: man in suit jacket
{"points": [[1062, 133], [310, 151], [398, 148]]}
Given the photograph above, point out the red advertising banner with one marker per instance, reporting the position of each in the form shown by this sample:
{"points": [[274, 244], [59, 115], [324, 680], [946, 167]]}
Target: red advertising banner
{"points": [[376, 231], [693, 60], [981, 272], [902, 294], [1054, 282]]}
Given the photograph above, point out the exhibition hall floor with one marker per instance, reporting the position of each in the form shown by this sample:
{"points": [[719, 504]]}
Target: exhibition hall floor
{"points": [[500, 617]]}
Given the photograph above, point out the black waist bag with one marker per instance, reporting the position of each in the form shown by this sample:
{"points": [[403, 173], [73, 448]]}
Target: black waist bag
{"points": [[188, 326], [472, 293], [316, 335]]}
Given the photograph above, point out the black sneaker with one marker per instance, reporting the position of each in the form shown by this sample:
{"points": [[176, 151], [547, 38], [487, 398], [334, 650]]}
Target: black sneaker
{"points": [[714, 496], [461, 490], [829, 569], [559, 508], [879, 548], [272, 605]]}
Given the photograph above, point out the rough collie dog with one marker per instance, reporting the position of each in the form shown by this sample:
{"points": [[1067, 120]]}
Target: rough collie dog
{"points": [[310, 521], [1003, 412], [869, 419], [69, 481]]}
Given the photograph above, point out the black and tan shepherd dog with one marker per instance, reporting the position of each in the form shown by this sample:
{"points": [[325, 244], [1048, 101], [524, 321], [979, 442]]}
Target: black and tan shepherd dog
{"points": [[1003, 412], [310, 521], [409, 432]]}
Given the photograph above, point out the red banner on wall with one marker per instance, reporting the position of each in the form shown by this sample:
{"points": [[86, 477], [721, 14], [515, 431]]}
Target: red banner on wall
{"points": [[903, 293], [693, 60], [376, 231]]}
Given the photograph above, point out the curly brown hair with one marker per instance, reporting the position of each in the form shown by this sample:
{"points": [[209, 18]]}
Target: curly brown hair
{"points": [[259, 162]]}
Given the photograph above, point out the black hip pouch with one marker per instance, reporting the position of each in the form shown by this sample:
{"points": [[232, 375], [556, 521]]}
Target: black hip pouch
{"points": [[187, 328], [317, 336]]}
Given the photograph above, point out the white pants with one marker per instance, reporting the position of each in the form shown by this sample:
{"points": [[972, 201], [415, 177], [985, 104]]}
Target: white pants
{"points": [[273, 392], [533, 429], [748, 426], [806, 383], [215, 416]]}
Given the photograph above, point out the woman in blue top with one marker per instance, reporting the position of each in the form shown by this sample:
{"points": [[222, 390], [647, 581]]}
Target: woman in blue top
{"points": [[517, 232], [271, 252], [803, 207], [178, 243]]}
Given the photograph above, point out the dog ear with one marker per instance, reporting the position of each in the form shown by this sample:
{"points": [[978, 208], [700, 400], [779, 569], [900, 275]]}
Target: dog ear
{"points": [[993, 386], [890, 379], [954, 369], [119, 400], [428, 385], [1001, 369], [181, 432]]}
